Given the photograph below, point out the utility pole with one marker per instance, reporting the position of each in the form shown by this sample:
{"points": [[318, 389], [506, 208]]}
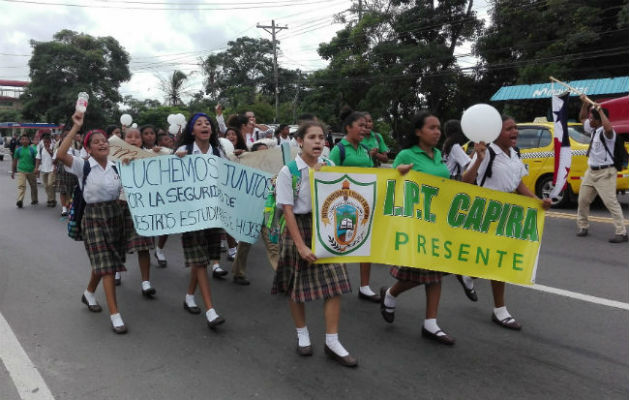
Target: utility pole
{"points": [[274, 28], [360, 9], [297, 94]]}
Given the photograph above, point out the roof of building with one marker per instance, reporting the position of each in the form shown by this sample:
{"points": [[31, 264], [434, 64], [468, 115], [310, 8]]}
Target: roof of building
{"points": [[590, 87]]}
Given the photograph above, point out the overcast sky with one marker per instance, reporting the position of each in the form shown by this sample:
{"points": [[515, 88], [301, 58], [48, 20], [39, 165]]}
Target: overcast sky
{"points": [[164, 35]]}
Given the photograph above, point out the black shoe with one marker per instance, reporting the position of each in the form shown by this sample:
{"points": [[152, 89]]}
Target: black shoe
{"points": [[347, 361], [470, 293], [120, 330], [619, 239], [192, 309], [161, 263], [117, 281], [444, 339], [219, 273], [216, 322], [64, 213], [241, 280], [34, 202], [375, 298], [149, 292], [230, 258], [304, 351], [19, 204], [92, 308], [387, 316], [509, 323], [582, 232]]}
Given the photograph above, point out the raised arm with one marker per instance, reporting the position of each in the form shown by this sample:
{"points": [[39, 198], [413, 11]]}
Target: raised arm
{"points": [[470, 174], [62, 152]]}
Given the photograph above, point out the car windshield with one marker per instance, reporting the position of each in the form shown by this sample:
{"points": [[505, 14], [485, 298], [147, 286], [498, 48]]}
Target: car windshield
{"points": [[577, 133]]}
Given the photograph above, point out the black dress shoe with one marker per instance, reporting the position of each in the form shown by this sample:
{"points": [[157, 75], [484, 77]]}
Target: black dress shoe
{"points": [[470, 293], [347, 361], [148, 292], [192, 309], [216, 322], [619, 239], [120, 330], [34, 202], [117, 281], [219, 273], [387, 316], [582, 232], [241, 280], [444, 339], [19, 204], [509, 323], [375, 298], [230, 258], [304, 351], [161, 263], [92, 308]]}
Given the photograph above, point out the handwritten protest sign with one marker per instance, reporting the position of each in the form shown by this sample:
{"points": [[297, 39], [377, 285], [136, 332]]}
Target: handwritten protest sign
{"points": [[169, 194], [423, 221]]}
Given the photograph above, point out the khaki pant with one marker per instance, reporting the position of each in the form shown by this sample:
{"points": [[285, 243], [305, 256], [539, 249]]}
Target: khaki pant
{"points": [[22, 177], [602, 182], [48, 179], [242, 251]]}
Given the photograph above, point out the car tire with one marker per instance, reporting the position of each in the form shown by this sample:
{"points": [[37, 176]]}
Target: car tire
{"points": [[544, 187]]}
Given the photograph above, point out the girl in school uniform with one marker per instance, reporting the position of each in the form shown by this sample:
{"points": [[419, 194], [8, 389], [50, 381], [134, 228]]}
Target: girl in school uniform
{"points": [[201, 136], [349, 152], [136, 243], [103, 224], [296, 274], [420, 154]]}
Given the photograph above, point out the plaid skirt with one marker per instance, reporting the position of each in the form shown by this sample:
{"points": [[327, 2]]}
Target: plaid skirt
{"points": [[135, 242], [419, 275], [303, 281], [103, 228], [201, 247], [65, 181]]}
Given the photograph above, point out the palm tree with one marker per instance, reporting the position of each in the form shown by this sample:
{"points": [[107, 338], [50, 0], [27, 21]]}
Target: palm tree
{"points": [[174, 88]]}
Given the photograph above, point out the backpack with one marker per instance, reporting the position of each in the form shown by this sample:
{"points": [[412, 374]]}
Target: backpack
{"points": [[620, 155], [77, 207], [488, 173], [342, 151], [273, 217]]}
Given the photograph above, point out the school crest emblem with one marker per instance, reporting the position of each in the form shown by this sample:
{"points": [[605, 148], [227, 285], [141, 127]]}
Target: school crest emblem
{"points": [[344, 212]]}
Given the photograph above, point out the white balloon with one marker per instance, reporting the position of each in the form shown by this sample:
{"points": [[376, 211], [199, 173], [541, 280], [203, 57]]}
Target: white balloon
{"points": [[481, 123], [126, 119], [181, 119], [171, 119], [228, 147], [134, 125], [173, 129]]}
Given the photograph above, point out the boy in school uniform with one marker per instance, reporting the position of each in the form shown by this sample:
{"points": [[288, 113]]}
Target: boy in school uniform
{"points": [[44, 167]]}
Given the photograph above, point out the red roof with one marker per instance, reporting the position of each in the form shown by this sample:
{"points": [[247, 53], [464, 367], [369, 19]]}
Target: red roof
{"points": [[4, 82]]}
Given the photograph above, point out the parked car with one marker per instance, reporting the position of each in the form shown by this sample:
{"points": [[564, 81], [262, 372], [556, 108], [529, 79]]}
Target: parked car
{"points": [[535, 141]]}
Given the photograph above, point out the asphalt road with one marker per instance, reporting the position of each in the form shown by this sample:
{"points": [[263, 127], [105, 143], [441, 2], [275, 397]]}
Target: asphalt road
{"points": [[568, 348]]}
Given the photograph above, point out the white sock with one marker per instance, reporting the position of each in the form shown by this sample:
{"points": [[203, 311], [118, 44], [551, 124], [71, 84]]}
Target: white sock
{"points": [[333, 343], [91, 299], [502, 313], [232, 251], [116, 320], [304, 339], [190, 300], [432, 326], [211, 315], [117, 275], [468, 282], [366, 290], [390, 301], [64, 209], [159, 252], [217, 267], [146, 285]]}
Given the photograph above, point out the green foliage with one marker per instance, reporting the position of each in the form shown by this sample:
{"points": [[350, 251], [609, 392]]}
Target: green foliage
{"points": [[73, 62], [10, 115]]}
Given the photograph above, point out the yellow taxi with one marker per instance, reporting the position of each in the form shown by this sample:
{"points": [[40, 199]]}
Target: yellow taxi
{"points": [[535, 141]]}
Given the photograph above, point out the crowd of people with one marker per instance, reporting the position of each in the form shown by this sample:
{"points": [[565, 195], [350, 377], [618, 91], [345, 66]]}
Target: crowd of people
{"points": [[109, 235]]}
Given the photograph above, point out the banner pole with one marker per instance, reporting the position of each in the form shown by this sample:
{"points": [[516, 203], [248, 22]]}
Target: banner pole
{"points": [[571, 88]]}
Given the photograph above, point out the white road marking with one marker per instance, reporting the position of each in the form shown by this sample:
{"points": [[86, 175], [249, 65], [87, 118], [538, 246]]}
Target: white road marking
{"points": [[29, 383], [578, 296]]}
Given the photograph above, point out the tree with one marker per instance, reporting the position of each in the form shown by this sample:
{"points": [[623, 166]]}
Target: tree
{"points": [[74, 62], [173, 88]]}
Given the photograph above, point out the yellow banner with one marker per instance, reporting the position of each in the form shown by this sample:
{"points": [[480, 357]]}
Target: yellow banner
{"points": [[423, 221]]}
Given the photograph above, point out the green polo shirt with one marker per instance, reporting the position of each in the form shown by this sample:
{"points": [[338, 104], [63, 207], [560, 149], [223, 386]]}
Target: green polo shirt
{"points": [[26, 159], [422, 162], [359, 157], [375, 140]]}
